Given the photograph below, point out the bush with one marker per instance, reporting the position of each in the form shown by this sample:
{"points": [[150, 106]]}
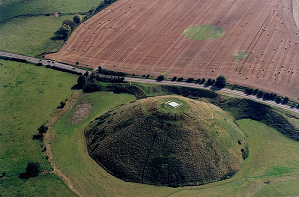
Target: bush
{"points": [[160, 78], [92, 86], [174, 78], [203, 80], [220, 82]]}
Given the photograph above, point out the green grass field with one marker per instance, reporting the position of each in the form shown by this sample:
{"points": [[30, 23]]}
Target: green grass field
{"points": [[43, 185], [204, 32], [12, 8], [28, 97], [31, 35], [271, 168]]}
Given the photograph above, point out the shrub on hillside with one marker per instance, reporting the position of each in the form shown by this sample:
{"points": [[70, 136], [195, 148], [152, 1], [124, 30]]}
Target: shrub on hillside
{"points": [[174, 78]]}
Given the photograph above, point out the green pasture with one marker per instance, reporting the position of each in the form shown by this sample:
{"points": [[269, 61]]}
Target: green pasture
{"points": [[204, 32], [28, 97], [43, 185], [12, 8], [31, 35]]}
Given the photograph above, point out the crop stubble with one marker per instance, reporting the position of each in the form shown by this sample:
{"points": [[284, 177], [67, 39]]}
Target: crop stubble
{"points": [[146, 37]]}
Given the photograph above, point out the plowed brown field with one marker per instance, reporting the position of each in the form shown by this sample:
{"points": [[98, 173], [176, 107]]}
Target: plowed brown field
{"points": [[146, 37]]}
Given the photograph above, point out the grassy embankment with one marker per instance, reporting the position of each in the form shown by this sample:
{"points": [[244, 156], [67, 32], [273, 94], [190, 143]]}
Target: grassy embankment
{"points": [[271, 168], [28, 97], [31, 35]]}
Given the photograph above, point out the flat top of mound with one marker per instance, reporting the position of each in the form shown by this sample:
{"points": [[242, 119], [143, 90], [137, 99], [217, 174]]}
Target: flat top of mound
{"points": [[149, 141]]}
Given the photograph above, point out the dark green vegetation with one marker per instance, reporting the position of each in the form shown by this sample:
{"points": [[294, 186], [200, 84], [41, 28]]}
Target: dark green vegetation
{"points": [[204, 32], [150, 142], [29, 96]]}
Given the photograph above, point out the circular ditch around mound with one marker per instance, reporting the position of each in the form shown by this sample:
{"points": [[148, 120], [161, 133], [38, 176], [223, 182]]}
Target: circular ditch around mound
{"points": [[166, 140], [204, 32]]}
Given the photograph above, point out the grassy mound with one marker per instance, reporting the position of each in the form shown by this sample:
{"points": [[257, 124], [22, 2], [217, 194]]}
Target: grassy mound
{"points": [[204, 32], [148, 141]]}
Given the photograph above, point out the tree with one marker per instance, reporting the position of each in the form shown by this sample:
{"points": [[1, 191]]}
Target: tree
{"points": [[32, 170], [198, 80], [180, 79], [43, 129], [249, 91], [100, 70], [278, 100], [77, 19], [64, 31], [69, 23], [220, 82], [190, 80], [160, 78], [81, 81], [174, 78], [285, 100], [260, 94], [203, 80], [210, 82]]}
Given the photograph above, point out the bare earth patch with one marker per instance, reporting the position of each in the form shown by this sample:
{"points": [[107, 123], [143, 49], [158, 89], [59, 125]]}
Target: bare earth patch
{"points": [[81, 112]]}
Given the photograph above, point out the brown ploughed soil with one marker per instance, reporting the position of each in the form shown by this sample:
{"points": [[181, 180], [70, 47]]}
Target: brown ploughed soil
{"points": [[146, 37]]}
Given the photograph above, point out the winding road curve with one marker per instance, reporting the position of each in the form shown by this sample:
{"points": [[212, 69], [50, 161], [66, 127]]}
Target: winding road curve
{"points": [[72, 69]]}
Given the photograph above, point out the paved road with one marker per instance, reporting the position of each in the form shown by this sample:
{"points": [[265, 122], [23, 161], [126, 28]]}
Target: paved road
{"points": [[72, 69], [53, 64]]}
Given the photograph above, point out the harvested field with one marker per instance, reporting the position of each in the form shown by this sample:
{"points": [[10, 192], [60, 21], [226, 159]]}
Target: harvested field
{"points": [[147, 37]]}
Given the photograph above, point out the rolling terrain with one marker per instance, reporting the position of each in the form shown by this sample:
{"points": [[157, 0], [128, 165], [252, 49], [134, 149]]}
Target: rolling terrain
{"points": [[259, 47]]}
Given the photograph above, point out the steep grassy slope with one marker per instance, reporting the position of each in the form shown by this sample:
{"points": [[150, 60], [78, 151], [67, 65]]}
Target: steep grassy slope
{"points": [[150, 142]]}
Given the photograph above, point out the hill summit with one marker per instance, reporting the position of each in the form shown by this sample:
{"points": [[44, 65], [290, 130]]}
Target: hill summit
{"points": [[166, 140]]}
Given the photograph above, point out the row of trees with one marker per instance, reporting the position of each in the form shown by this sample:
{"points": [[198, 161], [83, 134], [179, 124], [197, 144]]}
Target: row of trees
{"points": [[220, 82], [267, 96]]}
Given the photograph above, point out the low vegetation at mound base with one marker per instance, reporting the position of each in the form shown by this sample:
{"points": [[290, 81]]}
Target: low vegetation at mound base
{"points": [[148, 141], [204, 32]]}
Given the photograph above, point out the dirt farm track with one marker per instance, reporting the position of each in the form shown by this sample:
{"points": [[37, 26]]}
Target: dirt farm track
{"points": [[146, 37]]}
